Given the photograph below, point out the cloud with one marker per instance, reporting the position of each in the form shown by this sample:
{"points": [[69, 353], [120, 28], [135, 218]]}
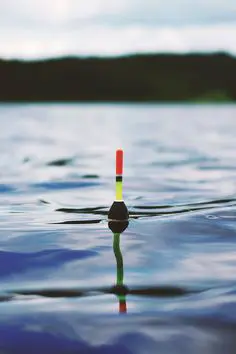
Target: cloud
{"points": [[117, 41], [168, 12], [159, 13], [44, 28]]}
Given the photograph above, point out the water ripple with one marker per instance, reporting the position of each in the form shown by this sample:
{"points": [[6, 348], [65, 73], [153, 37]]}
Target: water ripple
{"points": [[138, 211]]}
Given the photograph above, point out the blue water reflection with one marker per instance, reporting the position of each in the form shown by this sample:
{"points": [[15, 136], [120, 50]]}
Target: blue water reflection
{"points": [[61, 265]]}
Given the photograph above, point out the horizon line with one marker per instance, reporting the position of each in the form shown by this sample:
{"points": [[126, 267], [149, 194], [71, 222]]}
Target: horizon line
{"points": [[118, 56]]}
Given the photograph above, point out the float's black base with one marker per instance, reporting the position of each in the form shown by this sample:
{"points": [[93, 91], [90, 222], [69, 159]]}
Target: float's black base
{"points": [[117, 227], [118, 212]]}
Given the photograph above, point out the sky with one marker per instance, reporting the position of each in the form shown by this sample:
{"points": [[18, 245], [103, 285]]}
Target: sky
{"points": [[32, 29]]}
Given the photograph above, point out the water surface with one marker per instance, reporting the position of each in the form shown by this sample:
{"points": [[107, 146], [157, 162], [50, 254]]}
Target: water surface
{"points": [[59, 266]]}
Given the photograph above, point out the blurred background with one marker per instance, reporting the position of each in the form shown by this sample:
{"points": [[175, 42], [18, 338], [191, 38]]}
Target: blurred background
{"points": [[80, 79], [117, 50], [42, 29]]}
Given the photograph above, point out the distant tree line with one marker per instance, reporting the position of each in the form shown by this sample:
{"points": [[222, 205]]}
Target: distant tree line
{"points": [[193, 77]]}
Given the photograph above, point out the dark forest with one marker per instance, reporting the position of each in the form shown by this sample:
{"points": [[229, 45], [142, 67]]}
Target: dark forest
{"points": [[193, 77]]}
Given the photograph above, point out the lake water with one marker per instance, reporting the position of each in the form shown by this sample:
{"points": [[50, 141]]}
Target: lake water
{"points": [[58, 266]]}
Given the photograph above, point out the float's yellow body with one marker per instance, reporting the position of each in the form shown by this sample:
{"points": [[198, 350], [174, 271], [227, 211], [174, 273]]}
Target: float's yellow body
{"points": [[119, 191]]}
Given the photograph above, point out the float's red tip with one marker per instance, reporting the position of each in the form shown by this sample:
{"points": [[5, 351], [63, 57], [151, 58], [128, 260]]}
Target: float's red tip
{"points": [[119, 162]]}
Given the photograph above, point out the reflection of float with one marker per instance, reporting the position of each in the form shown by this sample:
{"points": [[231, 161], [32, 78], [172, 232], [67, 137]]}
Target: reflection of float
{"points": [[119, 289]]}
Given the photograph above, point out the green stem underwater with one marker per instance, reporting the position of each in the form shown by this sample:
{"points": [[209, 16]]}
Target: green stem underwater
{"points": [[119, 259]]}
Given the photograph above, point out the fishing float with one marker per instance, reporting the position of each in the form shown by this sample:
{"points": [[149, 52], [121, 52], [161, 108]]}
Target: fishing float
{"points": [[118, 212]]}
